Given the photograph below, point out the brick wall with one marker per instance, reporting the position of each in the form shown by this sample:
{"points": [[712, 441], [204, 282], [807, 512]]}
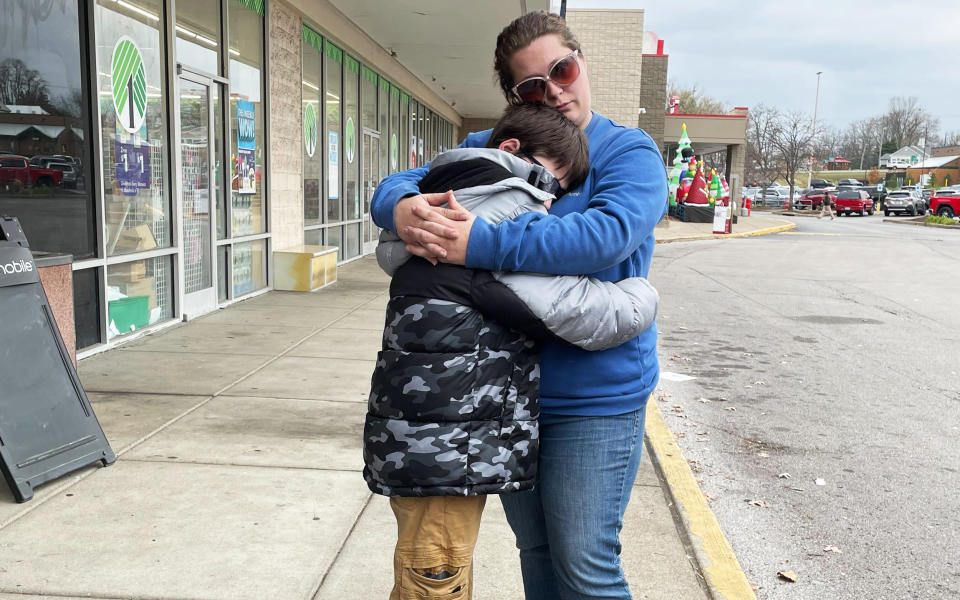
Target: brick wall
{"points": [[612, 42], [286, 137], [653, 96], [471, 125]]}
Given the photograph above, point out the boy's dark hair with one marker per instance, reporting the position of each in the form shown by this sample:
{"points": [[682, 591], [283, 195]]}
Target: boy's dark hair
{"points": [[519, 34], [546, 132]]}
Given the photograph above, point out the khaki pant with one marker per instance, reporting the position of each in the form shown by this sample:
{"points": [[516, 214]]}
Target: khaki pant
{"points": [[435, 540]]}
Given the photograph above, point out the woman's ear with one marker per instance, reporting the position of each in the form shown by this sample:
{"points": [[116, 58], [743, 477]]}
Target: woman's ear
{"points": [[512, 145]]}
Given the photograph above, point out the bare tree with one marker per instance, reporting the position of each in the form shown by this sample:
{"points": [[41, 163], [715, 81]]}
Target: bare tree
{"points": [[694, 101], [791, 139], [20, 84], [906, 121], [762, 162]]}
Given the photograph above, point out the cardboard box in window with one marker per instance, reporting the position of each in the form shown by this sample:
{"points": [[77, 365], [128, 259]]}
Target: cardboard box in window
{"points": [[135, 239], [144, 287], [126, 272]]}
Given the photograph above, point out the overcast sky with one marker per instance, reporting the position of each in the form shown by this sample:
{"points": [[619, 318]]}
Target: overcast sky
{"points": [[868, 51]]}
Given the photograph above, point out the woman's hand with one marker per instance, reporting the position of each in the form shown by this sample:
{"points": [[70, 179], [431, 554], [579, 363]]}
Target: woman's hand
{"points": [[431, 231]]}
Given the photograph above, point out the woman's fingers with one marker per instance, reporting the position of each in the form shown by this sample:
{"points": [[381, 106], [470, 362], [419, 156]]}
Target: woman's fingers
{"points": [[422, 252], [435, 222]]}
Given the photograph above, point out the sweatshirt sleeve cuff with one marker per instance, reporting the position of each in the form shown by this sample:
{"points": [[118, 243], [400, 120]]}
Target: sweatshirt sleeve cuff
{"points": [[383, 211], [482, 246]]}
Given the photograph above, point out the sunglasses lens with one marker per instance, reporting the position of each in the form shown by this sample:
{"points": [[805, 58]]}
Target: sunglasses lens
{"points": [[565, 71], [532, 90]]}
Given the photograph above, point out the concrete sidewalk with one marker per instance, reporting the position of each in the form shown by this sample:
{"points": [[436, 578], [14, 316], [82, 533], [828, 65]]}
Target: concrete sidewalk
{"points": [[238, 471]]}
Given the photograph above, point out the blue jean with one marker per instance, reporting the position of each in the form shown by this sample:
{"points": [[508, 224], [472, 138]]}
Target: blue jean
{"points": [[568, 526]]}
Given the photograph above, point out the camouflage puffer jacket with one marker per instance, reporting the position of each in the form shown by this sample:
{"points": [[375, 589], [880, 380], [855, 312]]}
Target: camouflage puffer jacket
{"points": [[453, 405]]}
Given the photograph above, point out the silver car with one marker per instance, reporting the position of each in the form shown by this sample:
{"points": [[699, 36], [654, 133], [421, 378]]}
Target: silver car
{"points": [[906, 202]]}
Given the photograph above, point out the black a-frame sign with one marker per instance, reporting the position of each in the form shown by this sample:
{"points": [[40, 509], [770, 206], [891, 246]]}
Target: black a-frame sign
{"points": [[47, 426]]}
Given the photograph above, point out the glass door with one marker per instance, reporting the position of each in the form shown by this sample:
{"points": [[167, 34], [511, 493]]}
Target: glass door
{"points": [[371, 177], [197, 187]]}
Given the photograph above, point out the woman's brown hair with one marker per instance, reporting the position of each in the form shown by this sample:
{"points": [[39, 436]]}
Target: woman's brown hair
{"points": [[543, 131], [519, 34]]}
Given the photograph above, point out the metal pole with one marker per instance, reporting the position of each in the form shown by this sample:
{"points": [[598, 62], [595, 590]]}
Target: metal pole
{"points": [[813, 135]]}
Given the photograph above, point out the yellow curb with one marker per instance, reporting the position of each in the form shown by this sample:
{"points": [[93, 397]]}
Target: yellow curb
{"points": [[724, 236], [724, 577]]}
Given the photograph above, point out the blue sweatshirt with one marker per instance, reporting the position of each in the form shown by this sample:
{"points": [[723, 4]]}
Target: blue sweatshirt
{"points": [[603, 229]]}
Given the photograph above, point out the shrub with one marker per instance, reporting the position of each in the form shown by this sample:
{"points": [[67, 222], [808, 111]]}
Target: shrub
{"points": [[934, 219]]}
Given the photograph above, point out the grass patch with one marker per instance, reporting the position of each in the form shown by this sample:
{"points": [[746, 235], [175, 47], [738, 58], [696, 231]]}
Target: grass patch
{"points": [[935, 220]]}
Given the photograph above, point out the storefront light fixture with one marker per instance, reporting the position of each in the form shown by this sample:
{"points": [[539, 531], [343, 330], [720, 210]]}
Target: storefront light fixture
{"points": [[310, 85], [138, 10]]}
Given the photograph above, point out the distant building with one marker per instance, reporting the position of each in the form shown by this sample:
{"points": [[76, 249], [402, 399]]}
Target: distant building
{"points": [[945, 151], [943, 170], [905, 157], [838, 163]]}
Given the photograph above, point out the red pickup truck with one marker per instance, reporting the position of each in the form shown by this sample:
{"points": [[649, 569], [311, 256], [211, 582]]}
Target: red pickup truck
{"points": [[945, 203], [15, 168]]}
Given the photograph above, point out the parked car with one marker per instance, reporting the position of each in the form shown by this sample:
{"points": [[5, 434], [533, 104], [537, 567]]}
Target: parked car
{"points": [[15, 168], [853, 182], [812, 198], [749, 192], [69, 173], [853, 201], [945, 202], [877, 195], [903, 202], [776, 197], [819, 184]]}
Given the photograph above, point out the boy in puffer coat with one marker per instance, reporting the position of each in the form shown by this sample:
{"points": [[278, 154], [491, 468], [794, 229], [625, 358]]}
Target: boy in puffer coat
{"points": [[453, 406]]}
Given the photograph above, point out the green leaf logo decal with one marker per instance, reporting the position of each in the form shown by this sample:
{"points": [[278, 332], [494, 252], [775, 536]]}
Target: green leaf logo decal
{"points": [[129, 84], [351, 139], [393, 152], [310, 129]]}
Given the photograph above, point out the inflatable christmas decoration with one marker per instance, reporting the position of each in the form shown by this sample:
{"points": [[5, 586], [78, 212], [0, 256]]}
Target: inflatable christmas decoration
{"points": [[716, 190], [673, 180], [674, 105], [691, 182]]}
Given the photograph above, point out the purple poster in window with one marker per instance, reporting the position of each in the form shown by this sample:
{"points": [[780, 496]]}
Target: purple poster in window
{"points": [[132, 156]]}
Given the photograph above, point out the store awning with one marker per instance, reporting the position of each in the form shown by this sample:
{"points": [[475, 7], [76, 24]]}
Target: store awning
{"points": [[447, 44]]}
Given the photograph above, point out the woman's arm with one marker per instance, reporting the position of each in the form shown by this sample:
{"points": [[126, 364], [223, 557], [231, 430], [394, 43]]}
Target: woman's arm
{"points": [[629, 197], [401, 185]]}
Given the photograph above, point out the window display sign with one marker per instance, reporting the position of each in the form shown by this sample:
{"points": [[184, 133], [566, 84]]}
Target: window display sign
{"points": [[129, 84], [310, 129], [350, 139], [334, 191], [132, 154], [394, 157], [246, 148], [413, 152]]}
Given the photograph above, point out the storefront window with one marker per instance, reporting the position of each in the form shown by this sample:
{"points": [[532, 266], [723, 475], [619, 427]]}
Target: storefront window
{"points": [[45, 168], [249, 267], [351, 136], [414, 158], [246, 116], [133, 117], [313, 149], [421, 129], [333, 62], [198, 35], [369, 94], [138, 294], [394, 129], [383, 125], [405, 162]]}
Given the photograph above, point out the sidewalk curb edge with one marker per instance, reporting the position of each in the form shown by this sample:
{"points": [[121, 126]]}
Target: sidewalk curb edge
{"points": [[725, 236], [722, 573]]}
